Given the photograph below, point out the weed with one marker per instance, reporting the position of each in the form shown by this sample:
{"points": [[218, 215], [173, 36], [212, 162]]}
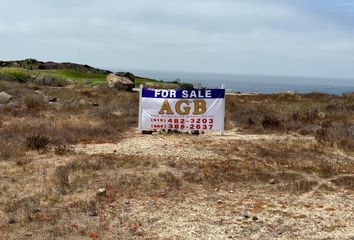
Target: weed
{"points": [[170, 179], [37, 142], [34, 102], [10, 150], [61, 179], [271, 122], [61, 150]]}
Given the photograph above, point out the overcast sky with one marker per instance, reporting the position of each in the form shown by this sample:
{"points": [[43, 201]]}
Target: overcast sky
{"points": [[273, 37]]}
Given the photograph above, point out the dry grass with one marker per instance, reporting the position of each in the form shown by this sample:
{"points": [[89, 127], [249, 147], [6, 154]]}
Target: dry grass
{"points": [[330, 118], [81, 114], [53, 195]]}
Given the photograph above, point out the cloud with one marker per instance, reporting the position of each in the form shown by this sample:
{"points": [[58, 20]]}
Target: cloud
{"points": [[234, 36]]}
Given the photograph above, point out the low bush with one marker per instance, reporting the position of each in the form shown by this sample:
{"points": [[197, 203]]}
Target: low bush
{"points": [[271, 122], [341, 135], [61, 179], [34, 101], [37, 142], [10, 150], [61, 150], [15, 75], [50, 80]]}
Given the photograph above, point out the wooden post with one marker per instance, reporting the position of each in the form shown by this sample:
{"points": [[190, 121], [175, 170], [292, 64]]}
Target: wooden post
{"points": [[223, 113], [140, 108]]}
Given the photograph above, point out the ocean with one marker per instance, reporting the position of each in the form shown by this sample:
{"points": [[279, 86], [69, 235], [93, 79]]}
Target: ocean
{"points": [[256, 83]]}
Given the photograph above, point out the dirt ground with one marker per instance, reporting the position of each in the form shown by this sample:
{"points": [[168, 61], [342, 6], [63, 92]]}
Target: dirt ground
{"points": [[177, 186]]}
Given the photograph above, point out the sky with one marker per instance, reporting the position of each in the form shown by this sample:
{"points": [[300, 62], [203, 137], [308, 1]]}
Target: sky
{"points": [[269, 37]]}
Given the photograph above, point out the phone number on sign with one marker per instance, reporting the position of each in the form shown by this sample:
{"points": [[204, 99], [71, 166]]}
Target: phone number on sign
{"points": [[183, 124]]}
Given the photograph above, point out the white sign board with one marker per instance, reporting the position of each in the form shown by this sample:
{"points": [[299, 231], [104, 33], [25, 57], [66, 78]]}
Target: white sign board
{"points": [[182, 109]]}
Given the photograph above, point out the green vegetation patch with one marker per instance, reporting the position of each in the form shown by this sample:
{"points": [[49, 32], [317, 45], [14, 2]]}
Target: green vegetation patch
{"points": [[15, 75], [96, 78], [57, 77]]}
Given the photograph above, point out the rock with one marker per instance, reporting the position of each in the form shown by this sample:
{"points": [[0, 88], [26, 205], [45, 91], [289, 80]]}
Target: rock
{"points": [[12, 220], [220, 202], [239, 219], [102, 192], [126, 74], [246, 215], [5, 98], [12, 104], [93, 104], [117, 113], [29, 234], [272, 181], [254, 218], [140, 232], [92, 213], [120, 82], [52, 99], [37, 210], [82, 102]]}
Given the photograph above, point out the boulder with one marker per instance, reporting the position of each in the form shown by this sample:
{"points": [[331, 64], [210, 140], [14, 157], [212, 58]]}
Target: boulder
{"points": [[5, 98], [127, 75], [119, 82]]}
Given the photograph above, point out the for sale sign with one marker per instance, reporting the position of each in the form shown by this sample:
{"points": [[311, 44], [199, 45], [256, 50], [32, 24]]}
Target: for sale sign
{"points": [[182, 109]]}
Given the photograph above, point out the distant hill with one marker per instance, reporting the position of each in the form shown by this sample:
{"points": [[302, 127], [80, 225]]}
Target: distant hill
{"points": [[24, 70], [33, 64]]}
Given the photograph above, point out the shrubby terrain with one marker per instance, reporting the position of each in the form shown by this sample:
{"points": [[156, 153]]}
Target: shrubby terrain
{"points": [[74, 167]]}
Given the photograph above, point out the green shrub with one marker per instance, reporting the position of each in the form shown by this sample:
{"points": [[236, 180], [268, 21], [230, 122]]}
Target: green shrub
{"points": [[15, 75]]}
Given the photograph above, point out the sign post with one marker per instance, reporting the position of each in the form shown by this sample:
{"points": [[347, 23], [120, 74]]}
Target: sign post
{"points": [[223, 114], [182, 109], [140, 107]]}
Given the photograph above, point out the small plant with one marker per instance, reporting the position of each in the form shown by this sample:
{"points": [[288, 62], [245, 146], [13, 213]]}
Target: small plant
{"points": [[61, 179], [271, 122], [50, 80], [34, 101], [37, 142], [170, 179], [9, 150], [61, 150]]}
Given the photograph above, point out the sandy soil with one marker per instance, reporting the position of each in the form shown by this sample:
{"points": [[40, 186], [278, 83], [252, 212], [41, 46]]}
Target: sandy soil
{"points": [[180, 208], [238, 211], [179, 145]]}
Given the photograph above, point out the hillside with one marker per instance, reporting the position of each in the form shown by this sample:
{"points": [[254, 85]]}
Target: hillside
{"points": [[33, 64], [28, 70]]}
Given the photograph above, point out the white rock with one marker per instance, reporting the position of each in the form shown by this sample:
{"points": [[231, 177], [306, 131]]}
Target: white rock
{"points": [[5, 98], [101, 192]]}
